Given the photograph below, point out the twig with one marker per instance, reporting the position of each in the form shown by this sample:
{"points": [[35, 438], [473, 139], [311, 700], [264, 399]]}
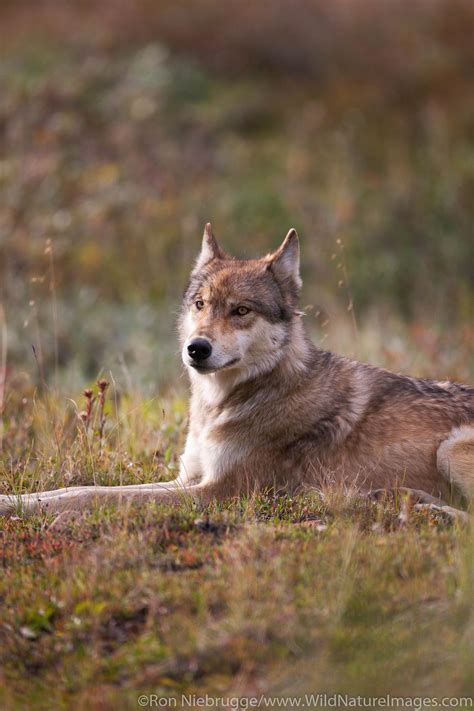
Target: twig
{"points": [[102, 385], [54, 305], [3, 368]]}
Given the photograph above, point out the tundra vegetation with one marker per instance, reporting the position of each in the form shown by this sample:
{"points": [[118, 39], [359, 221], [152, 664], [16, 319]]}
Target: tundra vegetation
{"points": [[125, 127]]}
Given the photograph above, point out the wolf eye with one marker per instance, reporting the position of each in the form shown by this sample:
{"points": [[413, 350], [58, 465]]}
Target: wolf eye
{"points": [[199, 304], [241, 311]]}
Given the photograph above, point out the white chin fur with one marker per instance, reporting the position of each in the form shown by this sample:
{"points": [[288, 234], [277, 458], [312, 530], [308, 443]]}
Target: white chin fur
{"points": [[210, 369]]}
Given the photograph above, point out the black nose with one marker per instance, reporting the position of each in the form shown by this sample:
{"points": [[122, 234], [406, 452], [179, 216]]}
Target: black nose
{"points": [[199, 349]]}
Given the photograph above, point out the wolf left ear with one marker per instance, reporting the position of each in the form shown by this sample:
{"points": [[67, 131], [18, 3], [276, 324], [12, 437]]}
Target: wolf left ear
{"points": [[210, 249], [285, 262]]}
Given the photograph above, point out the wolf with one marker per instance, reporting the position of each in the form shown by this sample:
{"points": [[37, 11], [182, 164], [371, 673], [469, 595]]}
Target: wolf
{"points": [[271, 411]]}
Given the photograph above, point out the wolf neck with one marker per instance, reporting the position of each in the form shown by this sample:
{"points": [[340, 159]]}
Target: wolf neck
{"points": [[213, 390]]}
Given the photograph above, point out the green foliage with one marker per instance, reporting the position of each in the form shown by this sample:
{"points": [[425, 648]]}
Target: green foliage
{"points": [[312, 592], [181, 601], [118, 151]]}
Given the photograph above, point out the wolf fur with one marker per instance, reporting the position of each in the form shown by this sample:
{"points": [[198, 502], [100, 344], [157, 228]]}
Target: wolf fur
{"points": [[270, 410]]}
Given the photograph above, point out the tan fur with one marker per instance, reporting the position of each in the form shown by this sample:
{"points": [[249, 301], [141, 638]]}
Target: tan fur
{"points": [[455, 459], [270, 410]]}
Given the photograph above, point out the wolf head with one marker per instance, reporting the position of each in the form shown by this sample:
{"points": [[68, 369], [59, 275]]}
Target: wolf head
{"points": [[237, 314]]}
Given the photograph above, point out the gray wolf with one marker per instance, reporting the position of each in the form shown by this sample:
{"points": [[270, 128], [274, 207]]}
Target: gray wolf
{"points": [[270, 410]]}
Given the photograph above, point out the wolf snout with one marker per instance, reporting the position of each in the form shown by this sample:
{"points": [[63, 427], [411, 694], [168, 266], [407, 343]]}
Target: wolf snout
{"points": [[199, 349]]}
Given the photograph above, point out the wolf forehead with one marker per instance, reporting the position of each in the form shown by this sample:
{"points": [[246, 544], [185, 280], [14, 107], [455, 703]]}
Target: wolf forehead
{"points": [[234, 282]]}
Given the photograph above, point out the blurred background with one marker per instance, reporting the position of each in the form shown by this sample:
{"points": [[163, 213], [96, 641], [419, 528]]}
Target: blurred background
{"points": [[127, 124]]}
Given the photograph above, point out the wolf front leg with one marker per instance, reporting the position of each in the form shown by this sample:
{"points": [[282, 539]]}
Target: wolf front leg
{"points": [[85, 498]]}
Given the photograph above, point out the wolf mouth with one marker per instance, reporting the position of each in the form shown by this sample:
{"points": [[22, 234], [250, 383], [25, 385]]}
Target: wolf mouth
{"points": [[212, 369]]}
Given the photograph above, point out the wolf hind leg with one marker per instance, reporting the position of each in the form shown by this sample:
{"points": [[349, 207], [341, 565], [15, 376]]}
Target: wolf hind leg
{"points": [[455, 460], [416, 495], [421, 500]]}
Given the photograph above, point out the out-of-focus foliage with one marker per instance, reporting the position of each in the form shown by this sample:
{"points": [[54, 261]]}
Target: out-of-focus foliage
{"points": [[127, 125]]}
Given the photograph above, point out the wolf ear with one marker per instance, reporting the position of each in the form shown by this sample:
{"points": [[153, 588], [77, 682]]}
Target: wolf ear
{"points": [[285, 262], [210, 249]]}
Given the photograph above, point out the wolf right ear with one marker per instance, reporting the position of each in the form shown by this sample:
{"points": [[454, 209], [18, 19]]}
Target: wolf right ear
{"points": [[210, 249], [285, 262]]}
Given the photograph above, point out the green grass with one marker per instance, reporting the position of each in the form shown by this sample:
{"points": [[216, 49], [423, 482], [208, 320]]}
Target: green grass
{"points": [[250, 595], [277, 595]]}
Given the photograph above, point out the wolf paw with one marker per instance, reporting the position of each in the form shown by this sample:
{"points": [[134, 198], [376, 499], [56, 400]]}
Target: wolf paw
{"points": [[415, 495], [446, 511]]}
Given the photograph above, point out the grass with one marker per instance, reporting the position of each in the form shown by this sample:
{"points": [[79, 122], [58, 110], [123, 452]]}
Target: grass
{"points": [[281, 596], [273, 595], [233, 599]]}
